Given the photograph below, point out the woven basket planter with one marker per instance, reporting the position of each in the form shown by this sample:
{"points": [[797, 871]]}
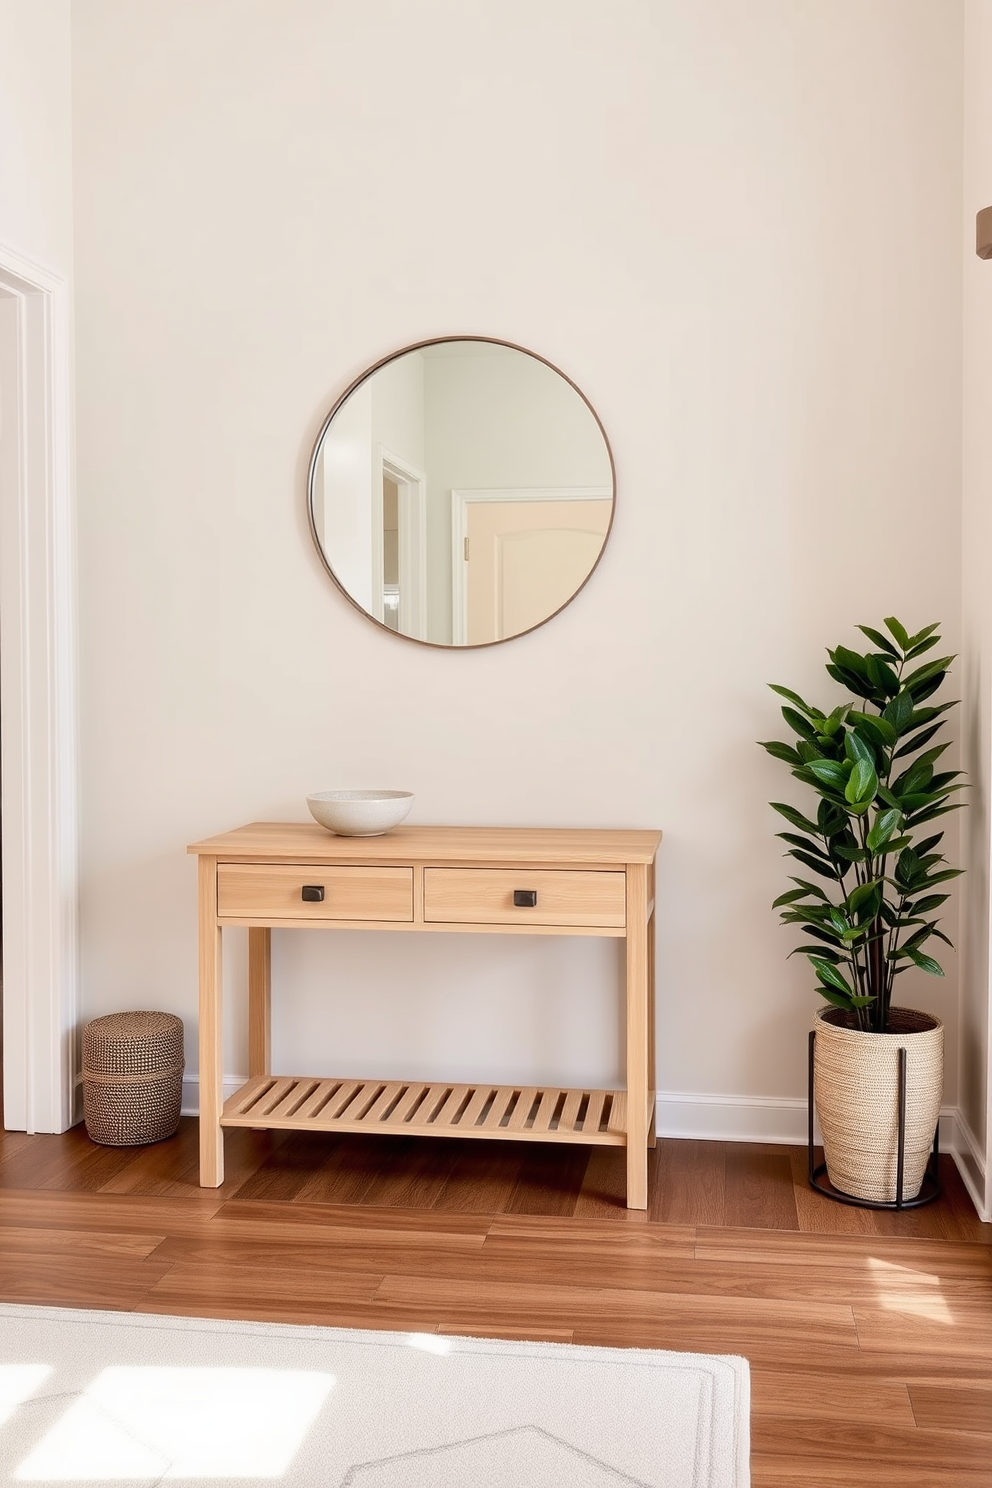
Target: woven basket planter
{"points": [[132, 1078], [856, 1094]]}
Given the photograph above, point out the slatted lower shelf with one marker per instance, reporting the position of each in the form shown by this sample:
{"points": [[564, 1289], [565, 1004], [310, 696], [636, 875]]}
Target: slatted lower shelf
{"points": [[525, 1113]]}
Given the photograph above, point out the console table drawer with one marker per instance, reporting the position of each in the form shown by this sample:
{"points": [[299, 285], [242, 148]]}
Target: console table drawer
{"points": [[252, 891], [524, 896]]}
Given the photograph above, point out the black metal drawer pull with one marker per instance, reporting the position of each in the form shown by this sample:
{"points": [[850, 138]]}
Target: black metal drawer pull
{"points": [[313, 893], [525, 898]]}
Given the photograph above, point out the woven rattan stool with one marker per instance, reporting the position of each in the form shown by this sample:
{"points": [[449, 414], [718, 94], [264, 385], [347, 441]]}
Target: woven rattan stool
{"points": [[132, 1078]]}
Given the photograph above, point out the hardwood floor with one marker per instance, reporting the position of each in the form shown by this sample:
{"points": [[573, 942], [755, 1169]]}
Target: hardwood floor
{"points": [[869, 1334]]}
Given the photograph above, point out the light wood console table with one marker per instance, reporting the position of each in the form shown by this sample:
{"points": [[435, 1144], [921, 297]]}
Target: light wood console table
{"points": [[489, 880]]}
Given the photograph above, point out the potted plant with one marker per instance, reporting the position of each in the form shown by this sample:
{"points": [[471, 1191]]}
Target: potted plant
{"points": [[867, 904]]}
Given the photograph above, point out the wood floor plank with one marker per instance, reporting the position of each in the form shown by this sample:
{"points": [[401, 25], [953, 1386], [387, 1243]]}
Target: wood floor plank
{"points": [[759, 1192], [957, 1407], [751, 1247], [352, 1168], [814, 1323], [689, 1183], [851, 1471], [895, 1446], [133, 1213], [199, 1282], [416, 1178], [951, 1330], [358, 1223], [89, 1280], [76, 1243], [836, 1398], [482, 1179], [549, 1180], [603, 1193]]}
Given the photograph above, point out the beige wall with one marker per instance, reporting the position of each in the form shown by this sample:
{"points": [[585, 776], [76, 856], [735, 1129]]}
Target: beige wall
{"points": [[736, 225], [35, 132], [976, 587]]}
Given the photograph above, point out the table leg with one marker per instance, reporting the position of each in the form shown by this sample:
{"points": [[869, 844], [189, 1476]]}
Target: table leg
{"points": [[211, 1043], [638, 973], [259, 1001]]}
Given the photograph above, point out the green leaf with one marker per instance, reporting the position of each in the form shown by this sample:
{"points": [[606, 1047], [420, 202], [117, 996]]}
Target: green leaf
{"points": [[818, 865], [928, 902], [921, 635], [926, 673], [795, 840], [851, 854], [883, 643], [882, 675], [865, 894], [944, 877], [824, 935], [918, 740], [851, 661], [923, 646], [794, 697], [875, 727], [799, 724], [795, 817], [834, 721], [789, 897], [899, 631], [857, 749], [830, 772], [831, 975], [863, 783], [899, 711], [884, 794], [781, 751], [813, 950], [886, 823], [926, 963], [837, 998]]}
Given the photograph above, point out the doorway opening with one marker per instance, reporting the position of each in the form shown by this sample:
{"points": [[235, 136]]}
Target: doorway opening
{"points": [[37, 701]]}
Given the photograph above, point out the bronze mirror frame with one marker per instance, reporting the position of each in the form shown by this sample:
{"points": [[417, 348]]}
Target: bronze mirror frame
{"points": [[315, 455]]}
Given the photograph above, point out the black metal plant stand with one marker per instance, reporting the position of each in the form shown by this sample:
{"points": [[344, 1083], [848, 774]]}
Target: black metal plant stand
{"points": [[930, 1188]]}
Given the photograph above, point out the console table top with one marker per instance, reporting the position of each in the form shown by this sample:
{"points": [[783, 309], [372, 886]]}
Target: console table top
{"points": [[304, 841]]}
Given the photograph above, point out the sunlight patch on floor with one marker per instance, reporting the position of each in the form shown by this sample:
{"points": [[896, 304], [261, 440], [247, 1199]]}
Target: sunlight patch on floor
{"points": [[903, 1289], [431, 1343], [149, 1422], [17, 1382]]}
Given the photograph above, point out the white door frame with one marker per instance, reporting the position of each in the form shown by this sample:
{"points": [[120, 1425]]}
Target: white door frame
{"points": [[38, 714], [412, 541], [460, 502]]}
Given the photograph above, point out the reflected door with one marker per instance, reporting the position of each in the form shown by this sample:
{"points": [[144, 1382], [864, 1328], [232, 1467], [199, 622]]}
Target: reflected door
{"points": [[525, 559]]}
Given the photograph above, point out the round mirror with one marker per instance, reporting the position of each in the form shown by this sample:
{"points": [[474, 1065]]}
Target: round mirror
{"points": [[461, 491]]}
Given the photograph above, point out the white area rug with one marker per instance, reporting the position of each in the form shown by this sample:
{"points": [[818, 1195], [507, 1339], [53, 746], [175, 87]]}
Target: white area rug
{"points": [[125, 1399]]}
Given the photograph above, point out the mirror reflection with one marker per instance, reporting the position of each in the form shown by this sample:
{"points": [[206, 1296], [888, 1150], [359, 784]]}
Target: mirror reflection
{"points": [[461, 492]]}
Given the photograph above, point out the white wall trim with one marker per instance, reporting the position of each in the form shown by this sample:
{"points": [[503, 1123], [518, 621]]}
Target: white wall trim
{"points": [[971, 1165], [38, 709]]}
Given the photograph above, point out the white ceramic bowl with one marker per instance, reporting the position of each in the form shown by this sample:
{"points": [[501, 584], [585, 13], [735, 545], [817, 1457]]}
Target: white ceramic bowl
{"points": [[360, 813]]}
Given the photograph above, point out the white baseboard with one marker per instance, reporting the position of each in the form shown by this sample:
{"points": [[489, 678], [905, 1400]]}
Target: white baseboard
{"points": [[753, 1118], [731, 1118], [972, 1166], [191, 1092]]}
